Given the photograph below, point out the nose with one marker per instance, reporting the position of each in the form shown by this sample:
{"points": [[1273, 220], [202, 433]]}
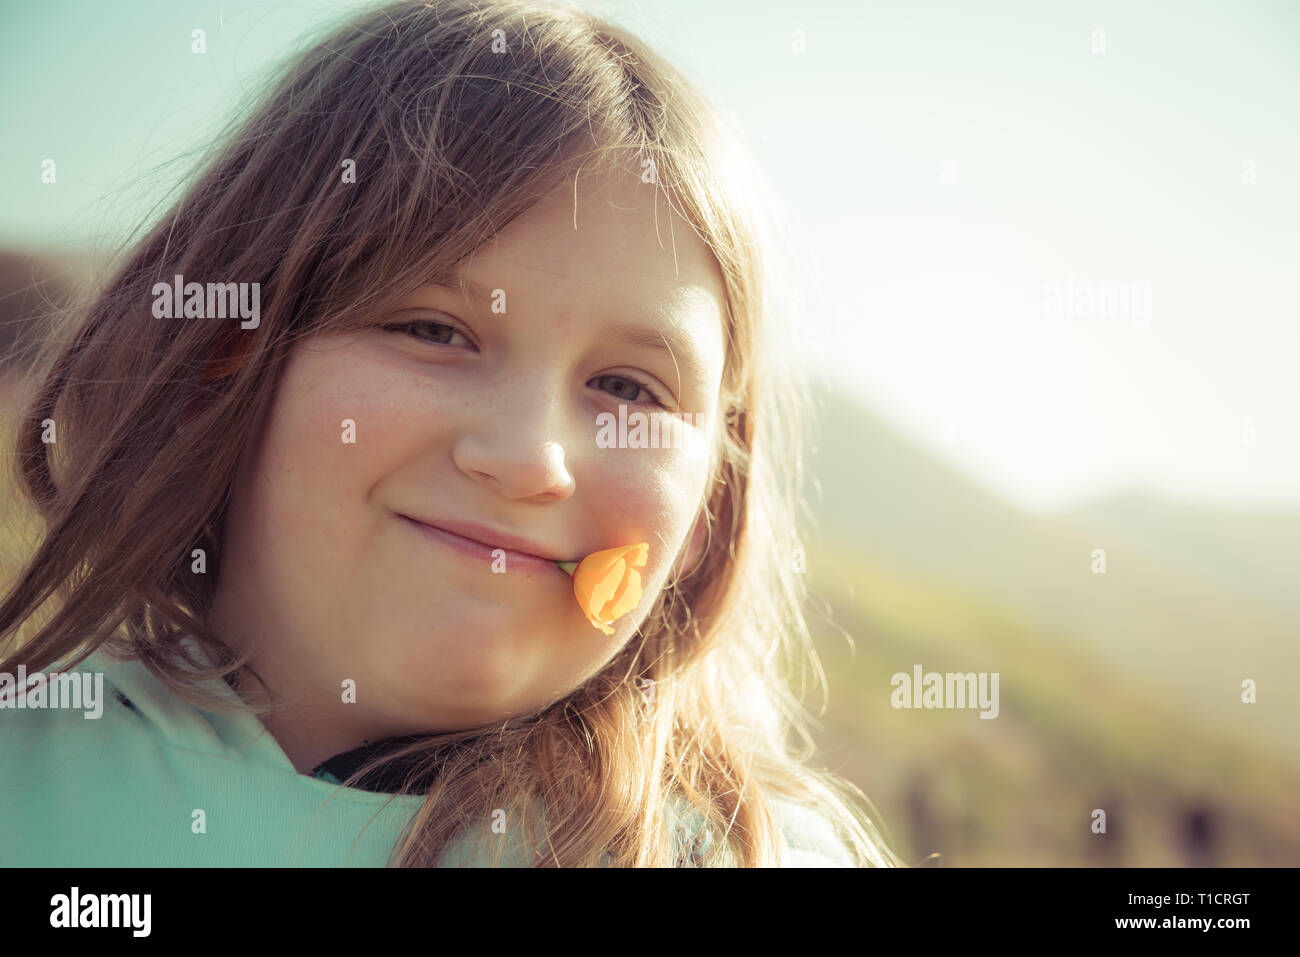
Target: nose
{"points": [[516, 447]]}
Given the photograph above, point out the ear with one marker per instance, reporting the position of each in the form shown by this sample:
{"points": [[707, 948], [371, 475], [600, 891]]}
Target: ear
{"points": [[189, 410], [231, 353]]}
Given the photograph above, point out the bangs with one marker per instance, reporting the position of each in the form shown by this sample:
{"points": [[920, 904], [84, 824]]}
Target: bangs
{"points": [[426, 241]]}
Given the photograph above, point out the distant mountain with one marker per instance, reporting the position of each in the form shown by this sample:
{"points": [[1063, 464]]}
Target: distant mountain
{"points": [[32, 284], [1193, 601], [1257, 551]]}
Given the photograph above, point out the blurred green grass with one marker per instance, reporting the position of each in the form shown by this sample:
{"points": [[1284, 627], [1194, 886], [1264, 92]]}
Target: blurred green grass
{"points": [[1072, 734]]}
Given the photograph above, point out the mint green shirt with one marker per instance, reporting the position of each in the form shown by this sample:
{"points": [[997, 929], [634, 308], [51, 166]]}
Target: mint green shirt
{"points": [[127, 788]]}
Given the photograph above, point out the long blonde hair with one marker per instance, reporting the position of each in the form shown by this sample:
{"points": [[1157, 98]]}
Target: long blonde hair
{"points": [[454, 130]]}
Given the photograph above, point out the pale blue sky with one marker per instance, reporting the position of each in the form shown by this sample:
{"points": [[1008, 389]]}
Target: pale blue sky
{"points": [[924, 297]]}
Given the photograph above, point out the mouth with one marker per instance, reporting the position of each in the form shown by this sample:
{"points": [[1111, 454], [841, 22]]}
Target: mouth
{"points": [[484, 552]]}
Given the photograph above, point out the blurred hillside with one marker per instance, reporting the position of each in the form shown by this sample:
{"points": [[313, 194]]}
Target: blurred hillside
{"points": [[1193, 599], [1119, 691]]}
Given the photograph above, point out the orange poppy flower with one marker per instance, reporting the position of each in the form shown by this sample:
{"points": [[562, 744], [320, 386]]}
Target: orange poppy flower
{"points": [[607, 583]]}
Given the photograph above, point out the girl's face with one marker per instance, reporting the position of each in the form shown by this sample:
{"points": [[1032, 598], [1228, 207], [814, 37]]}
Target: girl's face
{"points": [[479, 416]]}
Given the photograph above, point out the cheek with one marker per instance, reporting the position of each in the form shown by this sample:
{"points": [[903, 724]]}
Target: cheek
{"points": [[650, 495], [336, 426]]}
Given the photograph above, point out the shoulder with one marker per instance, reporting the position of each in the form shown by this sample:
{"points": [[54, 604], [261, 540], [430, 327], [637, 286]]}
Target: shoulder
{"points": [[810, 837]]}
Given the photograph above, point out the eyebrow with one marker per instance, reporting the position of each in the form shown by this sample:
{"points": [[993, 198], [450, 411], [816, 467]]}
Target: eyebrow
{"points": [[627, 333], [653, 339], [476, 290]]}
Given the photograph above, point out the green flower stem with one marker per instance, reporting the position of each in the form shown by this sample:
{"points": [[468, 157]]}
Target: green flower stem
{"points": [[568, 566]]}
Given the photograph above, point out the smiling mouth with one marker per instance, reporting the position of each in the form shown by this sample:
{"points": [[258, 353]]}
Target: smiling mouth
{"points": [[481, 551]]}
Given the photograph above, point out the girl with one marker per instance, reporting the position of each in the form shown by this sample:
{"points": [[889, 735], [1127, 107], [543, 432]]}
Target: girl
{"points": [[310, 464]]}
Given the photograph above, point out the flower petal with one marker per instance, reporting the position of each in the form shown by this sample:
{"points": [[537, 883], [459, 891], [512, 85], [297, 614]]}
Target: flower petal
{"points": [[606, 586]]}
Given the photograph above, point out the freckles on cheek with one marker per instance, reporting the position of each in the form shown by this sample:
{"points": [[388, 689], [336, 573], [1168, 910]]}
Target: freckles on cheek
{"points": [[333, 433]]}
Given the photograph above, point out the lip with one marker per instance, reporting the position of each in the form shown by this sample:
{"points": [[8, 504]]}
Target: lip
{"points": [[481, 542]]}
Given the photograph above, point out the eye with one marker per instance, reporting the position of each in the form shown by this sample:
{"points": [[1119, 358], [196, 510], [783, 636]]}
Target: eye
{"points": [[623, 387], [627, 388], [442, 331]]}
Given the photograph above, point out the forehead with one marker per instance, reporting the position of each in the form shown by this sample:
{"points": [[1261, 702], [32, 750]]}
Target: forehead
{"points": [[602, 223], [608, 243]]}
